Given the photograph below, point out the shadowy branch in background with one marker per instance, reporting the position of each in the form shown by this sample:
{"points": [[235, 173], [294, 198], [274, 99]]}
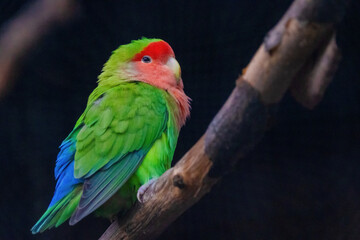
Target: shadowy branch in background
{"points": [[241, 122], [25, 30], [312, 80]]}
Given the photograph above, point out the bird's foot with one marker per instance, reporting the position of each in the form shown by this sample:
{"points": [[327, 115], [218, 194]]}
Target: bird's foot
{"points": [[143, 189]]}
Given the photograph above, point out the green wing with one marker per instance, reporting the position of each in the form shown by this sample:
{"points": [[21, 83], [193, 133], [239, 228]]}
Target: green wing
{"points": [[117, 131]]}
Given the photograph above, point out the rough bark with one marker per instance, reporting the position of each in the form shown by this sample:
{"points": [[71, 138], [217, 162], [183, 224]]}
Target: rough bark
{"points": [[239, 124]]}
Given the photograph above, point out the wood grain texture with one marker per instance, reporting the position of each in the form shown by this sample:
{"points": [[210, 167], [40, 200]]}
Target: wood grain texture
{"points": [[271, 72], [236, 129]]}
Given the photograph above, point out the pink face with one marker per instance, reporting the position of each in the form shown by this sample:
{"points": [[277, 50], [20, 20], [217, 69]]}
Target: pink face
{"points": [[157, 66]]}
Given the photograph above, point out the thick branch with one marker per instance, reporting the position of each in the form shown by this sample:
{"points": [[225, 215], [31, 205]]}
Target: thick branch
{"points": [[239, 124], [21, 33]]}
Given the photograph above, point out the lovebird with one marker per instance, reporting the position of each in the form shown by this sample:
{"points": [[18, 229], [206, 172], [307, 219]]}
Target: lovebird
{"points": [[125, 138]]}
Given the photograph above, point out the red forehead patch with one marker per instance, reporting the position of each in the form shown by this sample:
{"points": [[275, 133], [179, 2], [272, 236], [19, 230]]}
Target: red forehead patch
{"points": [[160, 50]]}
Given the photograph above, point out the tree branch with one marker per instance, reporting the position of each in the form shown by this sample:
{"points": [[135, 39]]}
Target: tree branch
{"points": [[312, 80], [21, 33], [240, 123]]}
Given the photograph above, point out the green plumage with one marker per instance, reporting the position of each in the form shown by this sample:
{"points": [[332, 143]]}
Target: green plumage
{"points": [[125, 118], [128, 118], [125, 137]]}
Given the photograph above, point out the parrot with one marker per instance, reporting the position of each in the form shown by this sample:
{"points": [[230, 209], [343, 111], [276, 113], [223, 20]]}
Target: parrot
{"points": [[125, 138]]}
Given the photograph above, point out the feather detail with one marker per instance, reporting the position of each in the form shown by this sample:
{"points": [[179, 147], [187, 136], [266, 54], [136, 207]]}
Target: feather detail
{"points": [[183, 106], [58, 212]]}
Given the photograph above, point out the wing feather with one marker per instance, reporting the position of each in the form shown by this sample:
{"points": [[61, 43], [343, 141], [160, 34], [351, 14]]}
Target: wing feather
{"points": [[104, 184], [116, 133]]}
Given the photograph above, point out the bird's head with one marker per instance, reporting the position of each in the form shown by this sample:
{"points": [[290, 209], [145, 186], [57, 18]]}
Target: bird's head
{"points": [[151, 61], [147, 60]]}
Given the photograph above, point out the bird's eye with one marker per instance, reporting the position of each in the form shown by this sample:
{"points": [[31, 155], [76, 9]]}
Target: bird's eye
{"points": [[146, 59]]}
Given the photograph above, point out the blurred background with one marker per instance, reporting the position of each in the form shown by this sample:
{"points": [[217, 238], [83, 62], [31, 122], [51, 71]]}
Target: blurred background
{"points": [[301, 182]]}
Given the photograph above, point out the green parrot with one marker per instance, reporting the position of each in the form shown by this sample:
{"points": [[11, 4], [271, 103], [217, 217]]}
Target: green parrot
{"points": [[125, 138]]}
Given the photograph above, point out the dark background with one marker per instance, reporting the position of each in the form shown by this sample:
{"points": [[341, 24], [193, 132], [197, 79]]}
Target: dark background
{"points": [[301, 182]]}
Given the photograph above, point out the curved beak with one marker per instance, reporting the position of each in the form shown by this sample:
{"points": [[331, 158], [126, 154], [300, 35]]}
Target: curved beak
{"points": [[175, 68]]}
